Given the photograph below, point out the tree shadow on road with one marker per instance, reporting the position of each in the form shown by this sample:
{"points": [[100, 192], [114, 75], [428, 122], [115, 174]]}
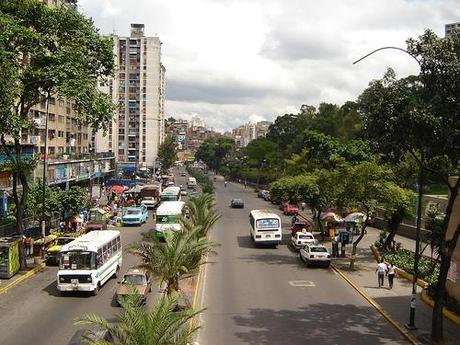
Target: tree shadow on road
{"points": [[316, 324]]}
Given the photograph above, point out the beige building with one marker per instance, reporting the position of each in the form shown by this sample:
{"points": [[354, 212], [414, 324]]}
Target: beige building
{"points": [[247, 132], [139, 90]]}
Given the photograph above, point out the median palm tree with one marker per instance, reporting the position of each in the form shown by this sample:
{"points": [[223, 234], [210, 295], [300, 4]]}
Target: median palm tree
{"points": [[136, 325], [201, 215], [179, 257]]}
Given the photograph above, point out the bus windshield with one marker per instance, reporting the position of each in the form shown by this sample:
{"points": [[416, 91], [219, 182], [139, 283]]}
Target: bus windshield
{"points": [[169, 197], [166, 219], [78, 260]]}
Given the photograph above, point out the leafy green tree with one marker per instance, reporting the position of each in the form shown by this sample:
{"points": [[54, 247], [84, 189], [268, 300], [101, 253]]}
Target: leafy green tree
{"points": [[179, 257], [202, 215], [137, 325], [419, 116], [167, 152], [215, 151], [74, 200], [52, 202], [47, 52]]}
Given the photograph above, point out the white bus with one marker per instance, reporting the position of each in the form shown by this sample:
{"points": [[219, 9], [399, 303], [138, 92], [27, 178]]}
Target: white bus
{"points": [[191, 183], [265, 227], [167, 217], [170, 194], [86, 263]]}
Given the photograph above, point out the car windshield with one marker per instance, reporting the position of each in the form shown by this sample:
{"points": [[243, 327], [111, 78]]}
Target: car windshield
{"points": [[305, 237], [78, 260], [62, 241], [132, 212], [166, 219], [318, 250], [135, 279]]}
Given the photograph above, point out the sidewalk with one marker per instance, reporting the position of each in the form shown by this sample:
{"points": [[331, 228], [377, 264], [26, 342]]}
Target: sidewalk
{"points": [[396, 301], [32, 268]]}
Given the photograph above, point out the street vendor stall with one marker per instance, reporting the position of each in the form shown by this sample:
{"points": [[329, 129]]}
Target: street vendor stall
{"points": [[9, 256], [49, 241]]}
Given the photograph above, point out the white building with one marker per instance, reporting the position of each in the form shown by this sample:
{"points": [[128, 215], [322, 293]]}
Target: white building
{"points": [[139, 90], [450, 27]]}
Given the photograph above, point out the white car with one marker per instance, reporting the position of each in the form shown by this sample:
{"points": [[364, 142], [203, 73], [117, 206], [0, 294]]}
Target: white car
{"points": [[315, 254], [149, 202], [301, 239], [183, 192]]}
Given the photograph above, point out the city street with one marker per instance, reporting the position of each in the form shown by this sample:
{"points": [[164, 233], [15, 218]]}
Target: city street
{"points": [[35, 313], [267, 296]]}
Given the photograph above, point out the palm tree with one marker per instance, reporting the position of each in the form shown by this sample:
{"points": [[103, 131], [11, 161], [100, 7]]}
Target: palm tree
{"points": [[201, 215], [179, 257], [135, 325]]}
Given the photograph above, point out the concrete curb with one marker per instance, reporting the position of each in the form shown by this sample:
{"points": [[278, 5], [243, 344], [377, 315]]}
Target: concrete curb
{"points": [[377, 306], [446, 312], [30, 273]]}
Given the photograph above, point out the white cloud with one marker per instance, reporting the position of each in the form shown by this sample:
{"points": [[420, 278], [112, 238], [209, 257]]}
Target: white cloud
{"points": [[233, 60]]}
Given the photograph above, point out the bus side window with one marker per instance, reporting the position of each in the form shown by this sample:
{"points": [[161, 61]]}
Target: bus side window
{"points": [[100, 260]]}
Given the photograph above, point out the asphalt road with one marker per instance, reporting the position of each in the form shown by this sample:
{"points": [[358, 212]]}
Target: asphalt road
{"points": [[267, 296], [34, 313]]}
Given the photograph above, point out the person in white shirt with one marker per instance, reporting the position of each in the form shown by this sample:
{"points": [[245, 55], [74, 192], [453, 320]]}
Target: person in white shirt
{"points": [[381, 270], [391, 275]]}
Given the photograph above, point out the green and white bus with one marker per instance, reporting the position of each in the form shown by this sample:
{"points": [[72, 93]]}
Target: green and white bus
{"points": [[167, 217], [86, 263], [170, 194]]}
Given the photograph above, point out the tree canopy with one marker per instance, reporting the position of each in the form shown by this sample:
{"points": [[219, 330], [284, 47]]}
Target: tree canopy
{"points": [[167, 152]]}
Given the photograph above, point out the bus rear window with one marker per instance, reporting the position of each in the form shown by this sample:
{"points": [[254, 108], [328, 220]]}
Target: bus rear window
{"points": [[267, 223]]}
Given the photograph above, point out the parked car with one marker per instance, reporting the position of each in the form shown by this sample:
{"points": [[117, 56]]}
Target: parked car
{"points": [[135, 215], [290, 209], [52, 253], [267, 196], [261, 193], [82, 336], [299, 225], [183, 174], [301, 239], [315, 254], [237, 203], [183, 190], [136, 280], [149, 202]]}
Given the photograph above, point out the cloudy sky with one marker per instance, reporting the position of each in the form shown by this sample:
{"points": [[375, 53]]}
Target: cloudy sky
{"points": [[233, 61]]}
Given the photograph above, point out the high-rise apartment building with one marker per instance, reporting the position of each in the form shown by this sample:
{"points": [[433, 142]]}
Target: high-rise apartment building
{"points": [[139, 90], [450, 27]]}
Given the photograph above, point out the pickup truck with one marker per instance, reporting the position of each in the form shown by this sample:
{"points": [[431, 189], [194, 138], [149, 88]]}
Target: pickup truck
{"points": [[149, 202]]}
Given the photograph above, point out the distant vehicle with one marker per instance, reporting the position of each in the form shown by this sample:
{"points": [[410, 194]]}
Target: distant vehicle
{"points": [[81, 336], [298, 226], [290, 209], [135, 215], [86, 263], [194, 193], [191, 183], [169, 184], [149, 202], [168, 217], [52, 253], [170, 194], [97, 219], [237, 203], [135, 278], [261, 193], [301, 239], [267, 196], [183, 192], [265, 227], [183, 174], [315, 254]]}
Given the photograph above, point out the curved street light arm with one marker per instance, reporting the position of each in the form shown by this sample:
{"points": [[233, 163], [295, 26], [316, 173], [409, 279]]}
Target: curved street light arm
{"points": [[383, 48]]}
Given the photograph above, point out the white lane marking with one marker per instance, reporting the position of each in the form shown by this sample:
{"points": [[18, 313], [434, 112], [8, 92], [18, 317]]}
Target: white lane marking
{"points": [[301, 283]]}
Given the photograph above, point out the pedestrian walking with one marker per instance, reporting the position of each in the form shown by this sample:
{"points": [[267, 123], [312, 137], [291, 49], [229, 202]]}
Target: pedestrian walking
{"points": [[293, 220], [303, 205], [381, 270], [245, 184], [335, 246], [391, 275]]}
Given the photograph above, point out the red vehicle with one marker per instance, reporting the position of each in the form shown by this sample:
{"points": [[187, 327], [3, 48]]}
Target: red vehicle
{"points": [[290, 209], [298, 226]]}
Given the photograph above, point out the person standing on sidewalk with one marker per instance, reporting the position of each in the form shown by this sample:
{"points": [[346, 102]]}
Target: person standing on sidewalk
{"points": [[391, 275], [381, 270]]}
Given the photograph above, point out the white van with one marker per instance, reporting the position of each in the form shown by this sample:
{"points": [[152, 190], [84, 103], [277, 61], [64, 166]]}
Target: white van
{"points": [[191, 183], [265, 227]]}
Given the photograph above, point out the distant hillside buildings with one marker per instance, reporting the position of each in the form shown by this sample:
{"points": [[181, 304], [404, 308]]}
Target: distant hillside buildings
{"points": [[244, 134]]}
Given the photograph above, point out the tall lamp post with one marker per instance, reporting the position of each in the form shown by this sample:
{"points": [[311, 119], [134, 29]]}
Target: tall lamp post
{"points": [[411, 323], [44, 179]]}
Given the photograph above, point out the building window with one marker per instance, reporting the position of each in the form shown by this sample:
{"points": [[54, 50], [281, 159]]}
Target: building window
{"points": [[60, 134], [52, 117]]}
